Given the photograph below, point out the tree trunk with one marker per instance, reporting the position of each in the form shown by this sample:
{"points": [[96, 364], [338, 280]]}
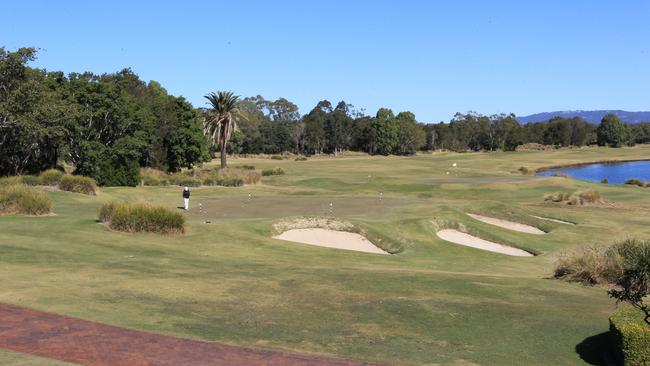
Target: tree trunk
{"points": [[223, 153]]}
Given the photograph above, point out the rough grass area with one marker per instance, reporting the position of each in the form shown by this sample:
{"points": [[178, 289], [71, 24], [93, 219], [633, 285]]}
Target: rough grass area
{"points": [[229, 177], [23, 199], [78, 184], [632, 335], [139, 217], [637, 182]]}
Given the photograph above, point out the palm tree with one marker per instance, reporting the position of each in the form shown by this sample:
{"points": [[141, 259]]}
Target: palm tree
{"points": [[219, 123]]}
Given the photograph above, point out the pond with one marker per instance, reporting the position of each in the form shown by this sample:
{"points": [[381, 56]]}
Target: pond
{"points": [[615, 173]]}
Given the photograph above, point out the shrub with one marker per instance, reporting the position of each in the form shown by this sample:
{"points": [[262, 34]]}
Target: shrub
{"points": [[139, 217], [276, 157], [589, 265], [560, 175], [22, 199], [524, 170], [585, 197], [636, 182], [246, 167], [301, 158], [223, 181], [632, 335], [605, 181], [9, 181], [276, 171], [51, 177], [78, 184], [557, 197], [31, 180]]}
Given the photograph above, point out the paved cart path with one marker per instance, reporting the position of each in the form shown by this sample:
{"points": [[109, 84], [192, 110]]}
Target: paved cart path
{"points": [[89, 343]]}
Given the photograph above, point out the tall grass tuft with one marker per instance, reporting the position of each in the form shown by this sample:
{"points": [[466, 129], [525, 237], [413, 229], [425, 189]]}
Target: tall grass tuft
{"points": [[23, 199], [51, 177], [141, 217], [637, 182], [269, 172], [78, 184], [600, 265]]}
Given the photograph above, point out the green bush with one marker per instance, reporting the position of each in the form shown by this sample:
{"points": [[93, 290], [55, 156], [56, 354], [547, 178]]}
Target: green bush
{"points": [[636, 182], [141, 217], [557, 197], [23, 199], [246, 167], [51, 177], [632, 335], [560, 175], [524, 170], [276, 171], [301, 158], [605, 181], [31, 180], [276, 157], [78, 184]]}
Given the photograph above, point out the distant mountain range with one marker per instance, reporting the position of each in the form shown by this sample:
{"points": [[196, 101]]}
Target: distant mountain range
{"points": [[589, 116]]}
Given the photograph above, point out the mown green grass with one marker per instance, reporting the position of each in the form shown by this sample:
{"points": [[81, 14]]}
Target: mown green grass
{"points": [[433, 303]]}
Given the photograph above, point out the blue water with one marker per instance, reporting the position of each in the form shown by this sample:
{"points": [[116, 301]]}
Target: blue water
{"points": [[615, 173]]}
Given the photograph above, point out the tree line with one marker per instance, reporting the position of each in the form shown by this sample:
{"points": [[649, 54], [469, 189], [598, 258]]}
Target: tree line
{"points": [[108, 126]]}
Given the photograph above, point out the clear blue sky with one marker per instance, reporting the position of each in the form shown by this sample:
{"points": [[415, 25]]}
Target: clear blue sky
{"points": [[433, 58]]}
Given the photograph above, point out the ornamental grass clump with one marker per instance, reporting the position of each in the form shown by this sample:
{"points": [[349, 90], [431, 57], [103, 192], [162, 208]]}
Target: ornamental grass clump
{"points": [[141, 217], [51, 177], [269, 172], [23, 199], [78, 184]]}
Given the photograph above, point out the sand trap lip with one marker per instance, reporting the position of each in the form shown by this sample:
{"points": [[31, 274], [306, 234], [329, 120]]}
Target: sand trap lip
{"points": [[510, 225], [554, 220], [458, 237], [330, 239]]}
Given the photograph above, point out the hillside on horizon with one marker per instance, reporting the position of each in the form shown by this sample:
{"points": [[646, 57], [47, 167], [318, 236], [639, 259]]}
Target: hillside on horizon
{"points": [[589, 116]]}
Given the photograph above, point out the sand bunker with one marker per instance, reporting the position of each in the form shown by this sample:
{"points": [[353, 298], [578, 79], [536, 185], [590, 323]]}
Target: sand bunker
{"points": [[553, 220], [458, 237], [330, 239], [515, 226]]}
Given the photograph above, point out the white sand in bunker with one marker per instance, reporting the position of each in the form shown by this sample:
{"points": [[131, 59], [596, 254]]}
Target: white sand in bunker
{"points": [[458, 237], [553, 220], [510, 225], [330, 239]]}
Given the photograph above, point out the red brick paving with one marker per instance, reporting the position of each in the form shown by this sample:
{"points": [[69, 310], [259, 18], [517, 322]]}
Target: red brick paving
{"points": [[89, 343]]}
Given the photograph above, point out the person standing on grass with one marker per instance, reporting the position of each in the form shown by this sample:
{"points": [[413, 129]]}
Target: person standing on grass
{"points": [[186, 197]]}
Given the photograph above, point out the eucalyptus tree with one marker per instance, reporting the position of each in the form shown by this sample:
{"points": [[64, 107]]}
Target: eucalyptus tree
{"points": [[220, 123]]}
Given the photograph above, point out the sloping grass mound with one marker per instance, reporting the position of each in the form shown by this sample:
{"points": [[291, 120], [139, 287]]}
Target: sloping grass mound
{"points": [[78, 184], [23, 199], [141, 217], [632, 335]]}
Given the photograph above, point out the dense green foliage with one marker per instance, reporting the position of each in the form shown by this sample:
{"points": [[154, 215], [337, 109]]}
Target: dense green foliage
{"points": [[23, 199], [612, 132], [632, 335], [137, 217], [633, 285], [107, 125]]}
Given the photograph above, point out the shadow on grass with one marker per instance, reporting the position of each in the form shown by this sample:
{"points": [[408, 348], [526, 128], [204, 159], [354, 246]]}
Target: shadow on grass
{"points": [[595, 350]]}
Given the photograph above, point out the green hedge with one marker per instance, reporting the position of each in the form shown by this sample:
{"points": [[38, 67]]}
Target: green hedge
{"points": [[136, 217], [633, 336]]}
